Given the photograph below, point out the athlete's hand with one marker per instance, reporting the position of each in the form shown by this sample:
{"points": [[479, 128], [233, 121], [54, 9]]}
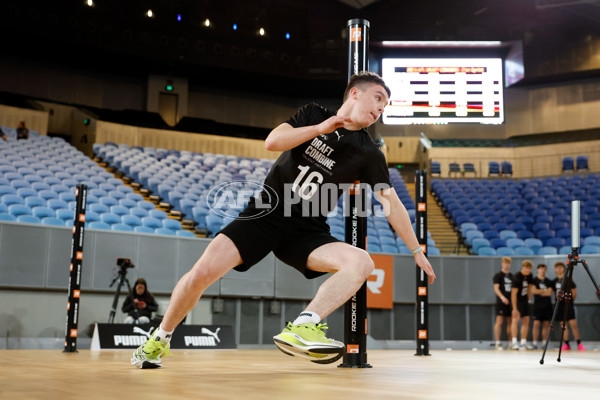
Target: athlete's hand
{"points": [[505, 300], [424, 264], [332, 123]]}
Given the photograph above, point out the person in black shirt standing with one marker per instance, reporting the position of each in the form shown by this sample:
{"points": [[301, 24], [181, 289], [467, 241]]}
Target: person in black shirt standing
{"points": [[559, 269], [502, 287], [520, 295], [323, 153], [541, 288]]}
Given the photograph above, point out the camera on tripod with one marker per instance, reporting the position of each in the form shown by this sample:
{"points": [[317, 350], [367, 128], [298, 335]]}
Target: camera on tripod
{"points": [[120, 275], [125, 263]]}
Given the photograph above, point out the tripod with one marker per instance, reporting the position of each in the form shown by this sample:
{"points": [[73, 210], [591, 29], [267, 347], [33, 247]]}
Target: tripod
{"points": [[565, 296], [122, 277]]}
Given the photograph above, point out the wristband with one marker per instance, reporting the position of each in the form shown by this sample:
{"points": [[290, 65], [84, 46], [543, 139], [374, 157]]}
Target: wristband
{"points": [[417, 250]]}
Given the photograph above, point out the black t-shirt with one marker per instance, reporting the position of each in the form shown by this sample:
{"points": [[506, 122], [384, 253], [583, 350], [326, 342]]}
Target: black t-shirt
{"points": [[314, 174], [539, 300], [521, 282], [557, 283], [505, 282]]}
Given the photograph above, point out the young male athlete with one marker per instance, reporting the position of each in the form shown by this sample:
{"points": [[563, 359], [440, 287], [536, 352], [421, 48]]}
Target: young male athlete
{"points": [[560, 269], [323, 153], [520, 295], [502, 287], [541, 288]]}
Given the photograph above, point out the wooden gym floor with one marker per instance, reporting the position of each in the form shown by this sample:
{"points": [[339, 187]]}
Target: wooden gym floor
{"points": [[269, 374]]}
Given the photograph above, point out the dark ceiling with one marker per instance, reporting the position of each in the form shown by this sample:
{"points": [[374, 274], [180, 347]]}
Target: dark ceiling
{"points": [[115, 36]]}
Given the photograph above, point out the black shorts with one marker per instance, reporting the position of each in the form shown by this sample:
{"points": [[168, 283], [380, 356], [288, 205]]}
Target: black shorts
{"points": [[543, 312], [523, 308], [503, 309], [561, 310], [291, 239]]}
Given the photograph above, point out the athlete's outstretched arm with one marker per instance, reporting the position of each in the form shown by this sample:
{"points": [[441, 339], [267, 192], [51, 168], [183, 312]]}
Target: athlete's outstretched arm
{"points": [[286, 137], [398, 216]]}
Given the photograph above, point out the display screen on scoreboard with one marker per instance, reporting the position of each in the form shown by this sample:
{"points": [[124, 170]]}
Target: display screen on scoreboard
{"points": [[443, 90]]}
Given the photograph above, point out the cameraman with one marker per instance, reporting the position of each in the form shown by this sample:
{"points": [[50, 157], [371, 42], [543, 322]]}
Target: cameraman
{"points": [[140, 304]]}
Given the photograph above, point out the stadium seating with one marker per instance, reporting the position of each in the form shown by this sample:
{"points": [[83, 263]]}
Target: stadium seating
{"points": [[184, 180], [536, 211], [38, 179]]}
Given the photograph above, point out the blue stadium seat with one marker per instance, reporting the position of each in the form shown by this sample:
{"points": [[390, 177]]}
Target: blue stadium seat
{"points": [[582, 163], [524, 251], [9, 199], [19, 209], [138, 212], [589, 249], [547, 251], [172, 224], [65, 214], [567, 164], [53, 221], [110, 218], [557, 242], [476, 243], [486, 251], [564, 250], [121, 227], [164, 231], [507, 234], [146, 205], [386, 248], [159, 214], [505, 251], [55, 204], [373, 248], [6, 217], [533, 243], [592, 240], [119, 210], [43, 212], [98, 225], [514, 242], [30, 219], [99, 208], [184, 233], [151, 222], [131, 220]]}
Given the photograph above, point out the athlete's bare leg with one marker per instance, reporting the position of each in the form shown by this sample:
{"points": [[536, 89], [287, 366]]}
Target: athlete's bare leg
{"points": [[220, 257], [351, 267], [498, 327]]}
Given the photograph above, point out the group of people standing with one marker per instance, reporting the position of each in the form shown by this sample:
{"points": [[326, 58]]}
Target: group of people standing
{"points": [[513, 294]]}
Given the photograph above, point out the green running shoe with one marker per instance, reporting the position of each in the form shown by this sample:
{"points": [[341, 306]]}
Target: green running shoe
{"points": [[309, 341], [149, 354]]}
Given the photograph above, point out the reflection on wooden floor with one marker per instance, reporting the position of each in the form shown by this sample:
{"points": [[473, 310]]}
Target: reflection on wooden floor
{"points": [[269, 374]]}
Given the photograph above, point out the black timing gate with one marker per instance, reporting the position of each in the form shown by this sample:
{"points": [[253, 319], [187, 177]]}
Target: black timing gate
{"points": [[422, 303], [75, 270], [355, 309]]}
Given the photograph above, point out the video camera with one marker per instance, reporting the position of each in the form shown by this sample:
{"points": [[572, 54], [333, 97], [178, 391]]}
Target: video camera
{"points": [[125, 263]]}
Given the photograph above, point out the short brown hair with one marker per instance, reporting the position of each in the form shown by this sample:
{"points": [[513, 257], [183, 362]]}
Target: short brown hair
{"points": [[541, 266], [506, 259], [363, 78], [560, 263], [527, 264]]}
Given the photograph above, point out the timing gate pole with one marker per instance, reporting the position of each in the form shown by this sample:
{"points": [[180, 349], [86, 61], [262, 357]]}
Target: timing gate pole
{"points": [[422, 303], [75, 270], [355, 309]]}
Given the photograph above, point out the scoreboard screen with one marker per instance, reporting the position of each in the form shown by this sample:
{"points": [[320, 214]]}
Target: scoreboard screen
{"points": [[443, 90]]}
